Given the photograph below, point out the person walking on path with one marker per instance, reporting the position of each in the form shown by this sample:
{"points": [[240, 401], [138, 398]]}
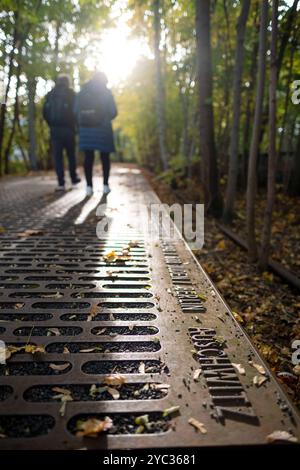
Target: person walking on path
{"points": [[58, 112], [95, 109]]}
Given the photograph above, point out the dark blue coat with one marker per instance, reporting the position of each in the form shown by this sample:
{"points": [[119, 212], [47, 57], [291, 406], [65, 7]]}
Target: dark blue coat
{"points": [[100, 137], [61, 129]]}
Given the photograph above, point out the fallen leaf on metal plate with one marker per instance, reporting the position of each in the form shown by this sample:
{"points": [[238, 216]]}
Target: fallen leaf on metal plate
{"points": [[197, 374], [281, 436], [239, 368], [116, 379], [258, 380], [258, 367], [92, 427], [170, 411], [114, 393], [197, 425], [59, 366]]}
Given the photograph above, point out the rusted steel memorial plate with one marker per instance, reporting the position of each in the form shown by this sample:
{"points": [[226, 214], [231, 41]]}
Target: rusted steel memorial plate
{"points": [[125, 329]]}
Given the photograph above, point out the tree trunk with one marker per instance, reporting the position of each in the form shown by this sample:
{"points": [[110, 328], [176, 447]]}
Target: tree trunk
{"points": [[160, 91], [251, 180], [285, 158], [266, 235], [14, 122], [291, 16], [250, 99], [234, 138], [20, 138], [56, 50], [222, 135], [294, 187], [31, 84], [192, 144], [184, 141], [10, 73], [2, 125], [213, 200]]}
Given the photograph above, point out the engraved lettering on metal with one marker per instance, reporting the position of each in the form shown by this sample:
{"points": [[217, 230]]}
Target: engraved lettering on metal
{"points": [[226, 391], [187, 296]]}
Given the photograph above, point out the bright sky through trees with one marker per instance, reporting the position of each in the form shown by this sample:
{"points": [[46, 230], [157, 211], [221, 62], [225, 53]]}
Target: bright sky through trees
{"points": [[118, 51]]}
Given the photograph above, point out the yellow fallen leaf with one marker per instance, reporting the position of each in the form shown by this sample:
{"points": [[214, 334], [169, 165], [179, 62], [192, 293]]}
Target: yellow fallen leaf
{"points": [[114, 393], [281, 436], [269, 352], [32, 349], [92, 313], [258, 380], [62, 409], [63, 391], [258, 367], [209, 268], [202, 297], [142, 420], [57, 295], [291, 216], [115, 379], [93, 390], [140, 429], [296, 369], [238, 317], [197, 425], [55, 331], [170, 411], [239, 368], [197, 374], [221, 245], [18, 305], [59, 366], [101, 332], [92, 427], [159, 386], [30, 233], [111, 256], [269, 277]]}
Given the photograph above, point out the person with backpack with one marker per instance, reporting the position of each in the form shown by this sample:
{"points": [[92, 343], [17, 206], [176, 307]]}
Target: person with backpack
{"points": [[95, 109], [58, 112]]}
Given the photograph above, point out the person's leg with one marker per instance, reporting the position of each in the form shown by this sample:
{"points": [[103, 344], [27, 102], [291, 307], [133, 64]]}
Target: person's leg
{"points": [[88, 167], [57, 145], [70, 149], [105, 167]]}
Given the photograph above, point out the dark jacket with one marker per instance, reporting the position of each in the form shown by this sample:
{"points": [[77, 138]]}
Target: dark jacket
{"points": [[65, 126], [101, 136]]}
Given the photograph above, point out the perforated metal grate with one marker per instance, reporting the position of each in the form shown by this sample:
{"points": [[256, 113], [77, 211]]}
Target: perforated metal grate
{"points": [[90, 317]]}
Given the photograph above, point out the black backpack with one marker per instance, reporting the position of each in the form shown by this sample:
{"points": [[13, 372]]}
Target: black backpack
{"points": [[58, 110], [91, 108]]}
